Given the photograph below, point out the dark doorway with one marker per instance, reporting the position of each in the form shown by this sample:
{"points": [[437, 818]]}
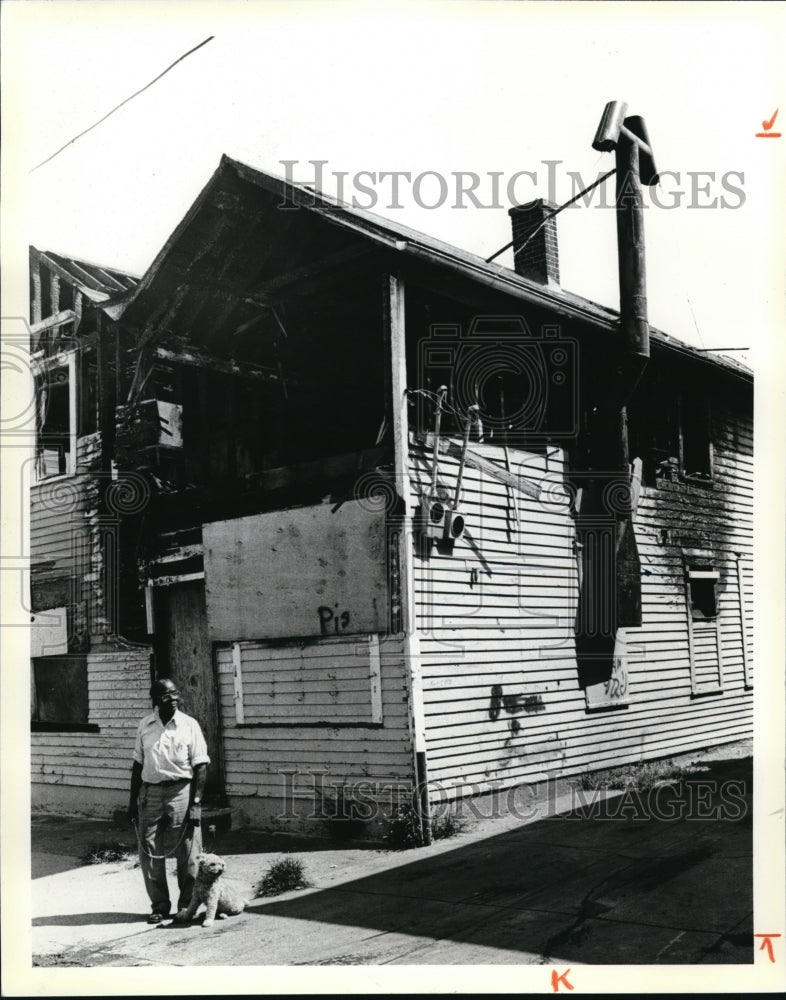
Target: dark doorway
{"points": [[184, 653]]}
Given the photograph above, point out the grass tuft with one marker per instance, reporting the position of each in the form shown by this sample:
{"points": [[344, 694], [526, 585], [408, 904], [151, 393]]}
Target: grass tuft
{"points": [[103, 853], [446, 826], [404, 829], [640, 777], [282, 876]]}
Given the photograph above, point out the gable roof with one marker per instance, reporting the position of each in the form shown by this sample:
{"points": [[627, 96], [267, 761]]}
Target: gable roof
{"points": [[96, 282], [224, 195]]}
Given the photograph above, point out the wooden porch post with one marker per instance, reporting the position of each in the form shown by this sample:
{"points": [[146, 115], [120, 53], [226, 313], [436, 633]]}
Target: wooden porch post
{"points": [[395, 334]]}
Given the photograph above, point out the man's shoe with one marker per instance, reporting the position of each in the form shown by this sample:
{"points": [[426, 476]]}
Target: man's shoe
{"points": [[156, 918]]}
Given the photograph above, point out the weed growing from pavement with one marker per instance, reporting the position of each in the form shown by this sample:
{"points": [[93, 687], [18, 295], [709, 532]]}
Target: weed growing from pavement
{"points": [[283, 876], [58, 958], [404, 829], [446, 826], [103, 853], [640, 777]]}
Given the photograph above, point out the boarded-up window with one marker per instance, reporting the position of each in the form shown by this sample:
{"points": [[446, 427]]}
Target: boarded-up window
{"points": [[309, 571], [60, 689], [333, 681], [49, 632]]}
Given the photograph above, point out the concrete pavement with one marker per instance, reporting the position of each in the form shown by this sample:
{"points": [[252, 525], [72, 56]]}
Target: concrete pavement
{"points": [[645, 879]]}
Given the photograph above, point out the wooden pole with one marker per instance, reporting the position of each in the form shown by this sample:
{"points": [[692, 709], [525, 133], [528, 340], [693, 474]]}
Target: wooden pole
{"points": [[632, 263]]}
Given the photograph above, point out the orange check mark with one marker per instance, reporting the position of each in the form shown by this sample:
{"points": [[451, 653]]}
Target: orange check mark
{"points": [[768, 125]]}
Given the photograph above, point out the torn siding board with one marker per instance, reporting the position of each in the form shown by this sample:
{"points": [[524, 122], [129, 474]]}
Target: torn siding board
{"points": [[93, 769], [501, 694]]}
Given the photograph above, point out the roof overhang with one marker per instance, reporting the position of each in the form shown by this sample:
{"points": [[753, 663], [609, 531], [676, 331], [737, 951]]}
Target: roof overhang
{"points": [[391, 237]]}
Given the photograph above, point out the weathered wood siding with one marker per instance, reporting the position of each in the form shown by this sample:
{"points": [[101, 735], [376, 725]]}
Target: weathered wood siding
{"points": [[495, 619], [260, 759], [333, 680], [89, 772], [66, 540]]}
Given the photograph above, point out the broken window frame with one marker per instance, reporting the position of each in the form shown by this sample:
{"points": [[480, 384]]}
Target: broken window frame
{"points": [[693, 432], [44, 369], [691, 435], [700, 565]]}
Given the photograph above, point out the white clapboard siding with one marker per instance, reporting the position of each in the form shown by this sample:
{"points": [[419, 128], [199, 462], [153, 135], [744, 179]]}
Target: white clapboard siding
{"points": [[327, 680], [495, 621], [118, 689], [330, 731]]}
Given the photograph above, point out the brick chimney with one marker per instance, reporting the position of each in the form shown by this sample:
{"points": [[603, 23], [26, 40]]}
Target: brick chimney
{"points": [[540, 257]]}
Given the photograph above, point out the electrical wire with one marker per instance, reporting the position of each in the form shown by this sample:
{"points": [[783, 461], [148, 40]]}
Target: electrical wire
{"points": [[551, 215], [117, 107]]}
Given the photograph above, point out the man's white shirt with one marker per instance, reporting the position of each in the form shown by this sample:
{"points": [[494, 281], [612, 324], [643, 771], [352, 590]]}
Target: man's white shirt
{"points": [[172, 751]]}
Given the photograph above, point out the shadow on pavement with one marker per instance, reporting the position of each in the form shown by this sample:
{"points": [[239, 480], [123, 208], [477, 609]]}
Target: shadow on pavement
{"points": [[664, 876], [86, 919], [249, 841]]}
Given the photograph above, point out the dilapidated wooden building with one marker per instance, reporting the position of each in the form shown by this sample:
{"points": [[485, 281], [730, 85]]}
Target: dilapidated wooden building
{"points": [[360, 494]]}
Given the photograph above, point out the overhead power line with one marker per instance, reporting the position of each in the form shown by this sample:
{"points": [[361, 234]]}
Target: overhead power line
{"points": [[117, 107], [551, 215]]}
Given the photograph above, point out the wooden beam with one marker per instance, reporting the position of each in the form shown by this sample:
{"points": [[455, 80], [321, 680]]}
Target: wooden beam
{"points": [[168, 581], [322, 470], [222, 365], [109, 279], [303, 276], [396, 342], [64, 316], [237, 672], [746, 667], [35, 275], [453, 449], [72, 279]]}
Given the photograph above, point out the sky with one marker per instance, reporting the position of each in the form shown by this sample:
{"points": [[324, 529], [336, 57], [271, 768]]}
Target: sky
{"points": [[438, 87]]}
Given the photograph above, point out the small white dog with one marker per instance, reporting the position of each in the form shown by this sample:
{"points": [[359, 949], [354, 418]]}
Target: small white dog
{"points": [[209, 888]]}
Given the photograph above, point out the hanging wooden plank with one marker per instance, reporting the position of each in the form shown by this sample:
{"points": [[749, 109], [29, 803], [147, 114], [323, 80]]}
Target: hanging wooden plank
{"points": [[237, 677]]}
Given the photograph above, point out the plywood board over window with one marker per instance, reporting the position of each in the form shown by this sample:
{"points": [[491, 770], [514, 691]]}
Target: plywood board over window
{"points": [[310, 571], [332, 681]]}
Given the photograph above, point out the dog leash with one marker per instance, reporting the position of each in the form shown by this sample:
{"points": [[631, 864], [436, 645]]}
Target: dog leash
{"points": [[170, 854]]}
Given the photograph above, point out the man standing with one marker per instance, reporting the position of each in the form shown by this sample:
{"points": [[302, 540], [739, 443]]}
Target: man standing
{"points": [[167, 781]]}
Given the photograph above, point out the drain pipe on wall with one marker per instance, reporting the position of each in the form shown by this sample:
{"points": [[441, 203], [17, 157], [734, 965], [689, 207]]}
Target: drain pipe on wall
{"points": [[627, 137]]}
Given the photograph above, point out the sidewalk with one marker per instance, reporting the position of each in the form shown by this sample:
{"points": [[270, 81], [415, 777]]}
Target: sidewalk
{"points": [[614, 885]]}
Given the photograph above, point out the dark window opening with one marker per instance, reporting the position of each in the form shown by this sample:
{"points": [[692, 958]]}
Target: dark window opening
{"points": [[702, 579], [88, 395], [703, 602], [696, 458], [59, 692], [669, 432], [54, 422], [46, 294], [66, 296]]}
